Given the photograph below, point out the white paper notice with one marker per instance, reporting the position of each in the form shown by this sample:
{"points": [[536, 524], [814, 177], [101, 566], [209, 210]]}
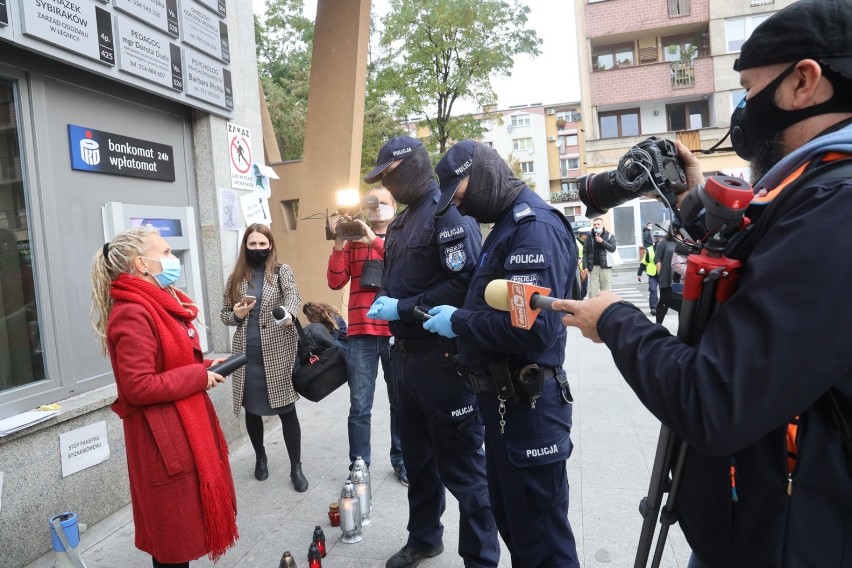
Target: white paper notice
{"points": [[255, 209], [84, 447], [229, 210]]}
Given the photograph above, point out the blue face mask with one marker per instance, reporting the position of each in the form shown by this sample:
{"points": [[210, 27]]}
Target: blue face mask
{"points": [[170, 272]]}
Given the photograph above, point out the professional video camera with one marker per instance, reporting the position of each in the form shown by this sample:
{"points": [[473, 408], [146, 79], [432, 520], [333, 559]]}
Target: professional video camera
{"points": [[651, 167], [349, 205]]}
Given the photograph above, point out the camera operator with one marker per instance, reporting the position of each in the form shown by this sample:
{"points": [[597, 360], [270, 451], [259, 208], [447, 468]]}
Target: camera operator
{"points": [[755, 490], [594, 255], [368, 339]]}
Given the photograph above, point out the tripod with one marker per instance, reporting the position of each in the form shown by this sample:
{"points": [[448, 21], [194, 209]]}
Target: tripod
{"points": [[710, 280]]}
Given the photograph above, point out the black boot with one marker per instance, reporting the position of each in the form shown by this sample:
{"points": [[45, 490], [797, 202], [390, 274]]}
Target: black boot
{"points": [[261, 472], [300, 484]]}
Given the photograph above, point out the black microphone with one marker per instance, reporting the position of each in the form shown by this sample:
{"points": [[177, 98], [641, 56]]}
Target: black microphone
{"points": [[281, 316], [229, 365]]}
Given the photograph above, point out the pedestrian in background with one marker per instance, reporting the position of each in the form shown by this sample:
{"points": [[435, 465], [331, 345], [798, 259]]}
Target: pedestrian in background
{"points": [[264, 387], [428, 262], [582, 237], [664, 252], [369, 339], [649, 266], [181, 490], [527, 434], [595, 257]]}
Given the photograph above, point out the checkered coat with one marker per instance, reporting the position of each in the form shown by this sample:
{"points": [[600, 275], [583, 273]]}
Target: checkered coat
{"points": [[277, 342]]}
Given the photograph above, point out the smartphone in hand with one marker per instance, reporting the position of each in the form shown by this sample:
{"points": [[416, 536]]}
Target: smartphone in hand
{"points": [[247, 300]]}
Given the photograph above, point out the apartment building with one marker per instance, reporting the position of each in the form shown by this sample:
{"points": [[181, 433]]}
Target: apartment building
{"points": [[660, 68]]}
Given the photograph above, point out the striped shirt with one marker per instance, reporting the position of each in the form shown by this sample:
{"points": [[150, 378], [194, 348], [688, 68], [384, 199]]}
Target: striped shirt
{"points": [[347, 264]]}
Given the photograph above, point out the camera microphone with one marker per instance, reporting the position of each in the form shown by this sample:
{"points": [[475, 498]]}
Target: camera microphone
{"points": [[522, 301], [229, 365], [281, 316]]}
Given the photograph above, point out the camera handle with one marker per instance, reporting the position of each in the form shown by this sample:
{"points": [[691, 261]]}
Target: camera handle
{"points": [[710, 280]]}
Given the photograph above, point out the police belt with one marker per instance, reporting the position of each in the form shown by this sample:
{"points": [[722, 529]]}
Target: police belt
{"points": [[442, 345], [484, 383]]}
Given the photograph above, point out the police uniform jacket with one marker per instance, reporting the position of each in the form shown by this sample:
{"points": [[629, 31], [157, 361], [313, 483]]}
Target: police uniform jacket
{"points": [[277, 342], [768, 354], [428, 261], [533, 243]]}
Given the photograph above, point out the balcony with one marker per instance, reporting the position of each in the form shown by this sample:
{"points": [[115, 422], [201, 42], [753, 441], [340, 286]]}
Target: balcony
{"points": [[636, 83], [623, 18]]}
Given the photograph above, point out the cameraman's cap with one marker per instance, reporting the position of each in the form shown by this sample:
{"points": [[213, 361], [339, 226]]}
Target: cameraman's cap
{"points": [[808, 29], [394, 149], [451, 170]]}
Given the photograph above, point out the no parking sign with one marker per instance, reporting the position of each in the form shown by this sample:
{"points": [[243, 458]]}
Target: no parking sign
{"points": [[239, 154]]}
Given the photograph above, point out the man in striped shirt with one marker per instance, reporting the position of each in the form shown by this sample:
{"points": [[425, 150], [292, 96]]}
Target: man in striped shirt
{"points": [[369, 339]]}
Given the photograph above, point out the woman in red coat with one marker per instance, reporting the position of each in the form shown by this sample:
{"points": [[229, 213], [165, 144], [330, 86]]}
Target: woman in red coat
{"points": [[184, 505]]}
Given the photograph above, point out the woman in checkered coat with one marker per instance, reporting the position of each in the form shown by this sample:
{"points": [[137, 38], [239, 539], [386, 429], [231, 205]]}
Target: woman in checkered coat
{"points": [[264, 387]]}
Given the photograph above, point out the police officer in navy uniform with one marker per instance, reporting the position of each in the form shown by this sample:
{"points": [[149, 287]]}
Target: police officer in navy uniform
{"points": [[527, 433], [428, 262]]}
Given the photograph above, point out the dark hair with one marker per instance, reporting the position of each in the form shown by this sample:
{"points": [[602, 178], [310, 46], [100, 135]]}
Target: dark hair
{"points": [[318, 312], [242, 269]]}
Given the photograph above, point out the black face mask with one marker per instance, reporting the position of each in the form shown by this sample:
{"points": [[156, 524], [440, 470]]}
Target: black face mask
{"points": [[257, 257], [412, 178], [756, 120]]}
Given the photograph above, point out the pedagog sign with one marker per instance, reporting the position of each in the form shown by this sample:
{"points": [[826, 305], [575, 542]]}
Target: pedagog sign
{"points": [[108, 153]]}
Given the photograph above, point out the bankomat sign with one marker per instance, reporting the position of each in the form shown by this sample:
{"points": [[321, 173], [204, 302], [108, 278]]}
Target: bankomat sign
{"points": [[107, 153]]}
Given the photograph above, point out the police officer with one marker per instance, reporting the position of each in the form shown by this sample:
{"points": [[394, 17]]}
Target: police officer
{"points": [[527, 433], [428, 262]]}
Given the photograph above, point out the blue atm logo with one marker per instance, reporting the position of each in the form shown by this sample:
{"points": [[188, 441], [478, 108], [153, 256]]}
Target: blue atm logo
{"points": [[107, 153]]}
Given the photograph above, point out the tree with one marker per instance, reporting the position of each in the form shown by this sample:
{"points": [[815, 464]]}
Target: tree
{"points": [[284, 46], [515, 165], [379, 125], [438, 52]]}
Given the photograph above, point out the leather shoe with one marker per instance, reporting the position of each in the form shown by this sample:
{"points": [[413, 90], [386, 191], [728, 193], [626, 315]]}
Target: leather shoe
{"points": [[261, 472], [300, 484], [410, 557], [401, 474]]}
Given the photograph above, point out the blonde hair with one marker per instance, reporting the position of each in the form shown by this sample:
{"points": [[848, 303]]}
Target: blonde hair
{"points": [[121, 251]]}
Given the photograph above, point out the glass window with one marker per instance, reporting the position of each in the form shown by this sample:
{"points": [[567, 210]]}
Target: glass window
{"points": [[520, 120], [737, 30], [21, 360], [570, 140], [612, 56], [522, 144], [527, 167], [568, 115], [615, 124], [690, 115], [737, 97], [682, 48]]}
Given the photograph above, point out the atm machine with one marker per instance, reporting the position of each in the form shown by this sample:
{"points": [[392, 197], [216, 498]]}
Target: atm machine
{"points": [[178, 226]]}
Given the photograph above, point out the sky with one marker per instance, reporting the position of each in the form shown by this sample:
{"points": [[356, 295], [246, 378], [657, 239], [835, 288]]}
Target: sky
{"points": [[552, 77]]}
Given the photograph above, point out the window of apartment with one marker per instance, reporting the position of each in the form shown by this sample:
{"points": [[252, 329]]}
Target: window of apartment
{"points": [[760, 2], [519, 144], [618, 123], [486, 124], [570, 186], [612, 56], [520, 120], [573, 211], [690, 115], [489, 144], [682, 47], [568, 116], [567, 140], [527, 167], [567, 164], [737, 97], [678, 8], [737, 30]]}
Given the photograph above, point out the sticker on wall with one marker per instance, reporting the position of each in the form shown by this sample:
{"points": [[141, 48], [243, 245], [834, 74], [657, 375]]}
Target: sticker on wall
{"points": [[239, 153], [84, 447], [108, 153]]}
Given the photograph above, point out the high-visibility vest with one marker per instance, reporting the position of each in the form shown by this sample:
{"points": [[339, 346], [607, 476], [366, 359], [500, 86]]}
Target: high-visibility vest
{"points": [[648, 261]]}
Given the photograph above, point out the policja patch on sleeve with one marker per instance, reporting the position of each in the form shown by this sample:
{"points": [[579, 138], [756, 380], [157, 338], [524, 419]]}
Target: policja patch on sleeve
{"points": [[455, 257]]}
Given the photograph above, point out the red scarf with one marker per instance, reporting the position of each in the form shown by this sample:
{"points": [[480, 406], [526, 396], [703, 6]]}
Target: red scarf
{"points": [[173, 322]]}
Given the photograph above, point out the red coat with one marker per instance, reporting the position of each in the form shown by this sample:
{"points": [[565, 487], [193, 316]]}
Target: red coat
{"points": [[164, 488]]}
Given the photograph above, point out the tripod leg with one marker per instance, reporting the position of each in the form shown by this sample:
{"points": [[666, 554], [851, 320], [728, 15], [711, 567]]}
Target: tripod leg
{"points": [[649, 507], [667, 515]]}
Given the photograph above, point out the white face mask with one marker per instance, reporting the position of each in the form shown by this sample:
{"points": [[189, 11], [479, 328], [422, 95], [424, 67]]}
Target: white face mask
{"points": [[599, 230], [383, 213]]}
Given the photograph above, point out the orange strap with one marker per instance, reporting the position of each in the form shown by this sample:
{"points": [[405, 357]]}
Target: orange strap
{"points": [[829, 157], [792, 444]]}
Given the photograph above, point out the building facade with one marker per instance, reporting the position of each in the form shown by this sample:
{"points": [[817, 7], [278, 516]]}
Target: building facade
{"points": [[668, 74]]}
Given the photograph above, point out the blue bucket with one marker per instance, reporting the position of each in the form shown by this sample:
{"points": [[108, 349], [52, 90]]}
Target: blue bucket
{"points": [[68, 522]]}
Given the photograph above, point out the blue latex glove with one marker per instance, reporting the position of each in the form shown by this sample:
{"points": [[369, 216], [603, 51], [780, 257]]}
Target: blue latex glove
{"points": [[384, 308], [441, 321]]}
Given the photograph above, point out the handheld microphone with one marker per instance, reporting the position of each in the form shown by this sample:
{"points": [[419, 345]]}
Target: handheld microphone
{"points": [[522, 301], [281, 316], [229, 365]]}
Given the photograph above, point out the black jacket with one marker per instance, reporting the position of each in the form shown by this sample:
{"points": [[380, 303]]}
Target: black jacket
{"points": [[594, 253], [768, 354]]}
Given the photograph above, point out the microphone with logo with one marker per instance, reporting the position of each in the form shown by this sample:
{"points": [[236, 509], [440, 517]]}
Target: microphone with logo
{"points": [[281, 316], [522, 301]]}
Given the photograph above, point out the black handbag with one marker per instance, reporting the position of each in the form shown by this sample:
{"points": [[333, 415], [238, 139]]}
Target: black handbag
{"points": [[320, 370]]}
